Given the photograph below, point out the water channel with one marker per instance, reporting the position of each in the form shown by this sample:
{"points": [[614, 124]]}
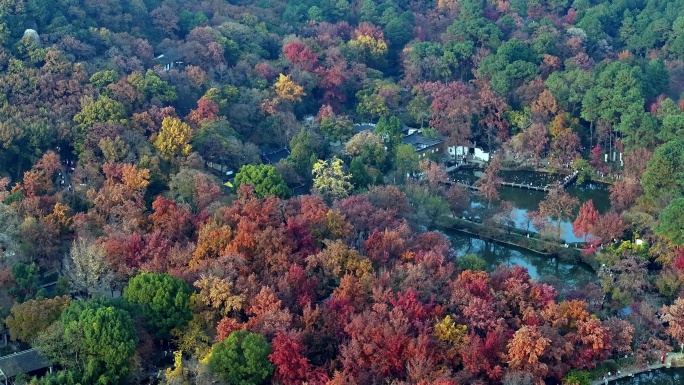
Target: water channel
{"points": [[524, 200], [657, 377], [562, 274], [567, 274]]}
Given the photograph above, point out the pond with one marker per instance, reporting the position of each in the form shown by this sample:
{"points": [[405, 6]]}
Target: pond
{"points": [[524, 200], [540, 267], [656, 377], [564, 275], [551, 270]]}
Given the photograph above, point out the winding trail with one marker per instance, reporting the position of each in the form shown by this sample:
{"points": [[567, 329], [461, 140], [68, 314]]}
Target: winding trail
{"points": [[632, 371]]}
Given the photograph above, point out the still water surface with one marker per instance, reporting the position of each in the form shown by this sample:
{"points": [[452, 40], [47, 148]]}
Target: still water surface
{"points": [[524, 200], [656, 377], [562, 274], [539, 267]]}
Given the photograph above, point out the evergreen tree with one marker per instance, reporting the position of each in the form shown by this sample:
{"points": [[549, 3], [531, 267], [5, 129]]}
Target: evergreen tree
{"points": [[163, 301], [242, 359]]}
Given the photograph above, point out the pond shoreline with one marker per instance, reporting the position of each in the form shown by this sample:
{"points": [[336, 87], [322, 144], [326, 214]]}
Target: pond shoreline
{"points": [[525, 200], [671, 361], [594, 178], [499, 236], [564, 172]]}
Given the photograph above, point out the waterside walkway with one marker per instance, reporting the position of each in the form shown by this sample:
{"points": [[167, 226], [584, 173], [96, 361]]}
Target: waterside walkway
{"points": [[671, 360], [565, 183]]}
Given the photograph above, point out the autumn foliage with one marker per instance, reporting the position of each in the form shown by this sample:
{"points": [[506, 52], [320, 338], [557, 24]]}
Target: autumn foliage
{"points": [[287, 89], [240, 173], [300, 55], [586, 220]]}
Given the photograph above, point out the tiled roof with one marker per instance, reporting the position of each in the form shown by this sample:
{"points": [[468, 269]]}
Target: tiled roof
{"points": [[364, 127], [23, 362], [274, 156], [405, 129], [419, 141]]}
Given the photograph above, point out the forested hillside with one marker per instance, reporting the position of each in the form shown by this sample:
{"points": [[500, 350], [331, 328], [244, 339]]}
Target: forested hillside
{"points": [[239, 192]]}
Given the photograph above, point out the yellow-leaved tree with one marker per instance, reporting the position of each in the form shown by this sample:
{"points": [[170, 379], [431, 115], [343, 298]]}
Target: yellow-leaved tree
{"points": [[287, 89], [448, 331], [173, 139], [330, 180], [369, 44], [179, 373]]}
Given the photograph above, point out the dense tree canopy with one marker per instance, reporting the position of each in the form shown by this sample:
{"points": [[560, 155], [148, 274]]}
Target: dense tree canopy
{"points": [[330, 180], [92, 339], [264, 178], [241, 359], [671, 220], [663, 178], [122, 124], [29, 319], [164, 301]]}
